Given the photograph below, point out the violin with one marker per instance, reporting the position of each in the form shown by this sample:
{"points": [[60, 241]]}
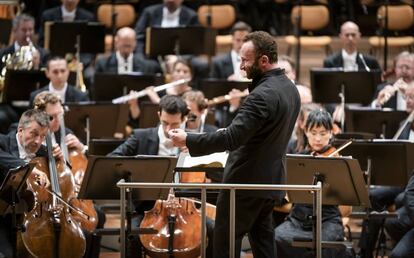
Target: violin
{"points": [[78, 162], [178, 223], [50, 230]]}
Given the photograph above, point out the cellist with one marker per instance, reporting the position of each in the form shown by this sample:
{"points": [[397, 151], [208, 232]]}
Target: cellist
{"points": [[16, 149], [51, 103]]}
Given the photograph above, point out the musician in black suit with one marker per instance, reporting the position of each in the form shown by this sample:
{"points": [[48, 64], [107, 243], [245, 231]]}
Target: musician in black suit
{"points": [[57, 71], [124, 60], [391, 95], [401, 228], [16, 149], [169, 14], [349, 58], [68, 11], [23, 30], [257, 139]]}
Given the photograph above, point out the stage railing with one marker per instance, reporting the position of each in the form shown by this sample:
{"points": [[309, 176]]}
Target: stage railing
{"points": [[317, 189]]}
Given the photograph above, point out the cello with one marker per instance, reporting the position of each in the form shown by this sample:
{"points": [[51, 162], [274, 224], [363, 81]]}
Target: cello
{"points": [[178, 223], [78, 163], [50, 229]]}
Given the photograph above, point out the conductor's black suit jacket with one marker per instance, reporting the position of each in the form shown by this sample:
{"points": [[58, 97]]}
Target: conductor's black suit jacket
{"points": [[258, 136]]}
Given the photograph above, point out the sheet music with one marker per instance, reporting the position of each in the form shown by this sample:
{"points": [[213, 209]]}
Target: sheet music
{"points": [[185, 160]]}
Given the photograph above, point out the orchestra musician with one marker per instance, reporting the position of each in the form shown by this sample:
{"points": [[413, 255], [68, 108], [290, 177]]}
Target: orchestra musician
{"points": [[391, 95], [16, 149], [171, 13], [197, 106], [257, 139], [124, 60], [382, 197], [318, 131], [349, 58], [58, 73]]}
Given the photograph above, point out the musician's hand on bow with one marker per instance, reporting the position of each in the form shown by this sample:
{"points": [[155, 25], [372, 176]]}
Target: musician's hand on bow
{"points": [[178, 137], [39, 177], [73, 143]]}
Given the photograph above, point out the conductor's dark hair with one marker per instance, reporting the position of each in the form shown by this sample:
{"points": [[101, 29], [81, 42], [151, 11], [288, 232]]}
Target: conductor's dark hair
{"points": [[264, 44], [319, 118], [173, 105]]}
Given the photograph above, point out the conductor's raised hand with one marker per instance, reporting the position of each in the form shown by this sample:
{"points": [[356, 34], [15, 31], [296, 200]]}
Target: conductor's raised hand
{"points": [[178, 137]]}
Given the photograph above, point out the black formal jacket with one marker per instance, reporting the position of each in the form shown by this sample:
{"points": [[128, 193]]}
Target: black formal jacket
{"points": [[9, 153], [141, 142], [72, 94], [152, 17], [55, 14], [336, 60], [110, 65], [222, 67], [258, 136], [44, 54], [409, 199]]}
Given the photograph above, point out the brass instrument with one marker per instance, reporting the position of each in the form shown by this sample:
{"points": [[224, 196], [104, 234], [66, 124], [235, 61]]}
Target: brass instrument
{"points": [[225, 98], [23, 59], [143, 93], [75, 66]]}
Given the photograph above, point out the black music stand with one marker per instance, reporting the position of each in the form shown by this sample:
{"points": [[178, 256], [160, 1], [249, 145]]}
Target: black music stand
{"points": [[217, 87], [103, 173], [357, 86], [102, 147], [342, 180], [5, 31], [63, 37], [96, 120], [108, 86], [149, 115], [11, 193], [189, 40], [382, 123], [387, 162], [18, 85]]}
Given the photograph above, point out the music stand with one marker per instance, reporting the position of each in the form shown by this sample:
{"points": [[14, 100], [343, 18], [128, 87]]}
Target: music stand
{"points": [[63, 37], [10, 189], [218, 87], [102, 147], [18, 85], [342, 180], [382, 123], [189, 40], [357, 86], [5, 31], [96, 120], [103, 173], [387, 162], [108, 86]]}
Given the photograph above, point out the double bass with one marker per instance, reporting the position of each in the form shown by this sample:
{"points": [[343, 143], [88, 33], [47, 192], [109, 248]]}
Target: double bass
{"points": [[50, 230]]}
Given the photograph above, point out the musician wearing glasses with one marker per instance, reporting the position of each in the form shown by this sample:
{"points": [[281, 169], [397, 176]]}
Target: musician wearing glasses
{"points": [[349, 58], [58, 73], [124, 60]]}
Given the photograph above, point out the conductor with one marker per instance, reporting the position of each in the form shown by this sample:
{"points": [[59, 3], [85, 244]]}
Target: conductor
{"points": [[257, 139]]}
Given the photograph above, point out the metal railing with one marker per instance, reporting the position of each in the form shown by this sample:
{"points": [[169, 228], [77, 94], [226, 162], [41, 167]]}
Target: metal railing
{"points": [[317, 189]]}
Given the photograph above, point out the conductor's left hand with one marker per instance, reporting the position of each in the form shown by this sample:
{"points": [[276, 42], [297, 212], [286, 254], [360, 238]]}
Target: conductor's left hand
{"points": [[178, 137]]}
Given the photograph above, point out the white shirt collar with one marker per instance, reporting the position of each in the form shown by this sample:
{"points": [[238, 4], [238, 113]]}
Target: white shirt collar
{"points": [[401, 102], [68, 16], [124, 66], [411, 136], [170, 19], [61, 92], [165, 147], [350, 63], [22, 152]]}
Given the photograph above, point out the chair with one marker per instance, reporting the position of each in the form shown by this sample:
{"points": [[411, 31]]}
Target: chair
{"points": [[400, 18], [313, 18], [125, 17], [222, 17]]}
